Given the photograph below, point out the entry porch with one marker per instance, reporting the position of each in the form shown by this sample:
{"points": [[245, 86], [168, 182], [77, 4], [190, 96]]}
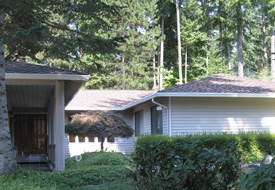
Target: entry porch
{"points": [[36, 98]]}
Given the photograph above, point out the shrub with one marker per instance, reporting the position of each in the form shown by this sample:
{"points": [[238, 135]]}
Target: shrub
{"points": [[94, 169], [262, 177], [184, 163], [207, 161]]}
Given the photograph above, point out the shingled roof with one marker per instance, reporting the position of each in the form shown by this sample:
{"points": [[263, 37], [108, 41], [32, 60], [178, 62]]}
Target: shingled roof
{"points": [[100, 99], [221, 83], [26, 68]]}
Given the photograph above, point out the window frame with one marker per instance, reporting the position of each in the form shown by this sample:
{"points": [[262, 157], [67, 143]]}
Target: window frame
{"points": [[138, 122], [156, 120]]}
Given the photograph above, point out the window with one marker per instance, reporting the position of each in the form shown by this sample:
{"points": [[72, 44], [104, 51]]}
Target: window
{"points": [[91, 139], [156, 120], [71, 138], [81, 139], [138, 122], [111, 139]]}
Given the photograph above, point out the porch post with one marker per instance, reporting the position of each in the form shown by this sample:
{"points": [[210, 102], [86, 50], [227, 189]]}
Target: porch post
{"points": [[59, 126]]}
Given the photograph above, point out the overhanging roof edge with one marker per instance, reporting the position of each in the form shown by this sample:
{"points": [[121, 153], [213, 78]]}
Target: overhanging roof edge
{"points": [[47, 76]]}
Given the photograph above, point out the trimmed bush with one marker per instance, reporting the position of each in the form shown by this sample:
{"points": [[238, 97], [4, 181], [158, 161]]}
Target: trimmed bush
{"points": [[208, 161]]}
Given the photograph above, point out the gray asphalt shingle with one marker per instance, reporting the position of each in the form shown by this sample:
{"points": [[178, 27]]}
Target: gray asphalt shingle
{"points": [[26, 68], [221, 83]]}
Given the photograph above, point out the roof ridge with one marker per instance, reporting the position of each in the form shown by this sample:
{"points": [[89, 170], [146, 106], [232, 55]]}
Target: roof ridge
{"points": [[225, 83]]}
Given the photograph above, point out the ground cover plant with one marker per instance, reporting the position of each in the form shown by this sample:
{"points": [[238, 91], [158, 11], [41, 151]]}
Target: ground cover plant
{"points": [[98, 170]]}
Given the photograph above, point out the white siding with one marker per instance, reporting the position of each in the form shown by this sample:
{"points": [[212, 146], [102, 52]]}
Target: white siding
{"points": [[195, 115], [146, 107], [123, 145]]}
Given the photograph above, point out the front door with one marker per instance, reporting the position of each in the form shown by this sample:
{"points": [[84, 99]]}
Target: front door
{"points": [[30, 133]]}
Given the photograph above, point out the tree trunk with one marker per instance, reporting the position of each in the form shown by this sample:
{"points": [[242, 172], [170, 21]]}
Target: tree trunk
{"points": [[272, 50], [264, 37], [154, 64], [154, 73], [101, 144], [7, 157], [123, 72], [161, 55], [240, 42], [220, 27], [208, 37], [185, 69], [229, 58], [179, 41]]}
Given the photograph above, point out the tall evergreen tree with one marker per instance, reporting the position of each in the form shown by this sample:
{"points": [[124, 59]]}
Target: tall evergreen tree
{"points": [[28, 27], [132, 67], [179, 42]]}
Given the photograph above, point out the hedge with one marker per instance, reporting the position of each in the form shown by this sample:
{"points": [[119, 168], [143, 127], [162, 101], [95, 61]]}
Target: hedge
{"points": [[197, 161], [254, 144]]}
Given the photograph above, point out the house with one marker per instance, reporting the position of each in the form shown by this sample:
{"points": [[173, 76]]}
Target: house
{"points": [[36, 98], [114, 100], [220, 103]]}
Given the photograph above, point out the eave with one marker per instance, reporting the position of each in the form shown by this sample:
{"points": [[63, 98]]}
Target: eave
{"points": [[46, 76]]}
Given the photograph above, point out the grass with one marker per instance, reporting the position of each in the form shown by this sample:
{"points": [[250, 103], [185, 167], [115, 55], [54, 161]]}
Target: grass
{"points": [[110, 186], [99, 170]]}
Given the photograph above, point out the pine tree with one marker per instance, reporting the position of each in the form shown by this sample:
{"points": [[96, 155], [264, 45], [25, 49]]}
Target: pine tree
{"points": [[193, 40], [132, 67], [28, 27]]}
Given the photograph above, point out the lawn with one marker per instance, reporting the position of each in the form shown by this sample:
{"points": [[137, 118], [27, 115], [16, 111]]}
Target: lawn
{"points": [[99, 171]]}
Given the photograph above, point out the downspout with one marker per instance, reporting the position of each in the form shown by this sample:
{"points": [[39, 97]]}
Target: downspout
{"points": [[168, 116]]}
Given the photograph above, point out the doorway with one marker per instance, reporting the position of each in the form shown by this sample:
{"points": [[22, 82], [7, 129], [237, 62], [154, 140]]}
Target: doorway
{"points": [[30, 133]]}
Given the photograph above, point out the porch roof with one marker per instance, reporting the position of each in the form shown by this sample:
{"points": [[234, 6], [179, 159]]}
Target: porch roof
{"points": [[30, 85], [21, 70]]}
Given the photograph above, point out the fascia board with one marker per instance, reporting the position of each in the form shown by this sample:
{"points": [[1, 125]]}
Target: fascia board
{"points": [[140, 101], [72, 108], [46, 76]]}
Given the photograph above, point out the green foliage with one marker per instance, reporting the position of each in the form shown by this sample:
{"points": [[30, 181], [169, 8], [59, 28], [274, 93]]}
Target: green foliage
{"points": [[132, 66], [264, 75], [262, 177], [170, 78], [98, 168], [100, 159], [51, 28], [254, 145], [185, 163]]}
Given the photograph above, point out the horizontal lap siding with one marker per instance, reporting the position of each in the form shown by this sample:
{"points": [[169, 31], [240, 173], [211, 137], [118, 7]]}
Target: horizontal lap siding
{"points": [[146, 107], [196, 115]]}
